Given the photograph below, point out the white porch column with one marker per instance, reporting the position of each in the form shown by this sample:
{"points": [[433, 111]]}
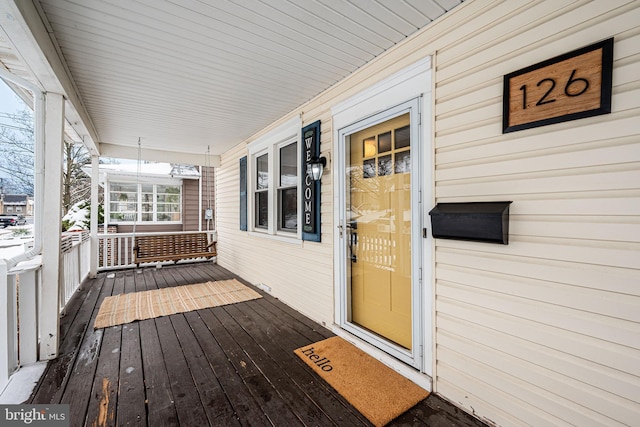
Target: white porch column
{"points": [[93, 260], [52, 219]]}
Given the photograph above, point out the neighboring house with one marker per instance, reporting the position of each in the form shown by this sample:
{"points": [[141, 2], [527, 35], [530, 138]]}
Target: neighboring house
{"points": [[157, 197], [17, 204]]}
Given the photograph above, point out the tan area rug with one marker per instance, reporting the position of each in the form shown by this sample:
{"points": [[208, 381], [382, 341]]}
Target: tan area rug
{"points": [[377, 391], [126, 308]]}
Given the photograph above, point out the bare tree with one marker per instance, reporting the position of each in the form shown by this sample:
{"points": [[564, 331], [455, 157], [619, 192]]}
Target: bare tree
{"points": [[17, 147], [76, 185], [17, 161]]}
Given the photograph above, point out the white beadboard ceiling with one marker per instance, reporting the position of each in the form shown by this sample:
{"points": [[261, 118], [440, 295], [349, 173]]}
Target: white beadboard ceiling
{"points": [[186, 74]]}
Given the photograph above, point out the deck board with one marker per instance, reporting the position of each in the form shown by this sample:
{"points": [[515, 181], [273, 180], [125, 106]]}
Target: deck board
{"points": [[131, 394], [185, 394], [103, 397], [72, 329], [240, 398], [316, 394], [275, 410], [159, 395], [223, 366]]}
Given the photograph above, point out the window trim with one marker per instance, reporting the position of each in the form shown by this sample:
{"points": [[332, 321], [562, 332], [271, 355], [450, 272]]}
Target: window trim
{"points": [[255, 191], [270, 143], [279, 187]]}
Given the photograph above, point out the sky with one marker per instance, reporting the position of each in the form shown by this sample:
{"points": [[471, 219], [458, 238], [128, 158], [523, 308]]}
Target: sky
{"points": [[9, 102]]}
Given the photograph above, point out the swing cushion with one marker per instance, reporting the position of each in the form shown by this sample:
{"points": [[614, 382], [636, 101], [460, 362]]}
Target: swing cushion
{"points": [[172, 247]]}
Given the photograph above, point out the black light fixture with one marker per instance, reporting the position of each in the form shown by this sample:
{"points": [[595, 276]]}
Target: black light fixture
{"points": [[315, 168]]}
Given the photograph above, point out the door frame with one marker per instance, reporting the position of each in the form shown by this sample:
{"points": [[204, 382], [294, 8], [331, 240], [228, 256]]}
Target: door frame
{"points": [[411, 356], [407, 90]]}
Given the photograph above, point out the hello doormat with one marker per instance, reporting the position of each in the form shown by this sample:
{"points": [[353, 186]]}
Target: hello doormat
{"points": [[374, 389], [126, 308]]}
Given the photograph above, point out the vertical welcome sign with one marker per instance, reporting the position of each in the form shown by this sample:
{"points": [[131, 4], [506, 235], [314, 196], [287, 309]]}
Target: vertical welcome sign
{"points": [[310, 189]]}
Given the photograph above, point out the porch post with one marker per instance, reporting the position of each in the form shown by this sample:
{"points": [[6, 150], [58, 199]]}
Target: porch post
{"points": [[52, 217], [93, 260]]}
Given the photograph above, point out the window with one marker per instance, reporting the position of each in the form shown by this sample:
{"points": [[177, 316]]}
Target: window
{"points": [[123, 202], [288, 189], [390, 155], [262, 191], [167, 203], [274, 174], [151, 203]]}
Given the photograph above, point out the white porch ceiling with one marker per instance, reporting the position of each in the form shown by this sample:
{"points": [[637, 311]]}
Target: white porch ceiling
{"points": [[186, 74]]}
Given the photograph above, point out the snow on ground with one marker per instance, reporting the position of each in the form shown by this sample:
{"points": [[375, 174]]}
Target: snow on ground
{"points": [[12, 243], [22, 383]]}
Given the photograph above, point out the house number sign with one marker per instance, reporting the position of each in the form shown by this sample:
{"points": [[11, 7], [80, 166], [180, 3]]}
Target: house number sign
{"points": [[568, 87]]}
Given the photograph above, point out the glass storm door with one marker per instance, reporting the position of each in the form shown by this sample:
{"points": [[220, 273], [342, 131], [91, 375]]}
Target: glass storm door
{"points": [[378, 230]]}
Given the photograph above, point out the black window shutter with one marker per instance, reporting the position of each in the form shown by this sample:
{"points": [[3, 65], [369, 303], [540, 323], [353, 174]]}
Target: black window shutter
{"points": [[243, 193]]}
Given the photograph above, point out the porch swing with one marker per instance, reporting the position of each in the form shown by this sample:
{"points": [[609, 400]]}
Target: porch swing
{"points": [[169, 247]]}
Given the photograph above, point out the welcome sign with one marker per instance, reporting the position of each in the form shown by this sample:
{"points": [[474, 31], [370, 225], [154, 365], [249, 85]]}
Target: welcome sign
{"points": [[310, 188]]}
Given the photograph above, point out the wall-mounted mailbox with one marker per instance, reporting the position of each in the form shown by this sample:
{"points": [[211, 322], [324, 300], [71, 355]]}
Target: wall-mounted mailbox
{"points": [[476, 221]]}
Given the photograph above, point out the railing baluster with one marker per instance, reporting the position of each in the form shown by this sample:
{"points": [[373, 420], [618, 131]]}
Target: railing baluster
{"points": [[7, 329], [113, 242], [28, 317]]}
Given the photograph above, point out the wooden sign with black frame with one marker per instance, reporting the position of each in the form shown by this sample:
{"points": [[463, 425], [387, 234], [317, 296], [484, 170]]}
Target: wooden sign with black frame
{"points": [[310, 189], [572, 86]]}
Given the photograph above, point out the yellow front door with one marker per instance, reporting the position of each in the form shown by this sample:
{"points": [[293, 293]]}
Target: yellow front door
{"points": [[379, 229]]}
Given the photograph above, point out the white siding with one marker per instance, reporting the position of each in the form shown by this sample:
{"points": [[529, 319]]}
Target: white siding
{"points": [[545, 330], [299, 273]]}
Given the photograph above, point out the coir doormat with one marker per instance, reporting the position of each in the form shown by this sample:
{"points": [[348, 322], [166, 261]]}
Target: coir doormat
{"points": [[377, 391], [126, 308]]}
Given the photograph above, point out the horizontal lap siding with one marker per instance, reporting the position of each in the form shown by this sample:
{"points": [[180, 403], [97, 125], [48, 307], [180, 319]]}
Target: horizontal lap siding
{"points": [[545, 330], [299, 273], [207, 189], [190, 204]]}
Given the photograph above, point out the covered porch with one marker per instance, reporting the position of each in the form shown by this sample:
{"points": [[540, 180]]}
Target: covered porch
{"points": [[404, 106], [130, 97], [230, 365]]}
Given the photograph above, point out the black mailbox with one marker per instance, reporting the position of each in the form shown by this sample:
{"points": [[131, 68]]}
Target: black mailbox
{"points": [[476, 221]]}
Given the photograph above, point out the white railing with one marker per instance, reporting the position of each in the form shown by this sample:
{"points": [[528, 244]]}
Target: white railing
{"points": [[20, 290], [75, 252], [116, 249]]}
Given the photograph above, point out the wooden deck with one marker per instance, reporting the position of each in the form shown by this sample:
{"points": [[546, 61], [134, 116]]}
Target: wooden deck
{"points": [[231, 365]]}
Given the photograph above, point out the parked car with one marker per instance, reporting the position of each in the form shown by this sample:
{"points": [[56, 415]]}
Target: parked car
{"points": [[7, 220]]}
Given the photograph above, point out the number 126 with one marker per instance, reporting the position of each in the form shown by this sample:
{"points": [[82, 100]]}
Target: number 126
{"points": [[575, 86]]}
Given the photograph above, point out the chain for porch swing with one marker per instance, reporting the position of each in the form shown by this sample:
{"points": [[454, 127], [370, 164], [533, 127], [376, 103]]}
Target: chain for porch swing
{"points": [[208, 214], [138, 202]]}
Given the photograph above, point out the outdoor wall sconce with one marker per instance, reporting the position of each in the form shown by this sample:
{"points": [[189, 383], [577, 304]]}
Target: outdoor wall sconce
{"points": [[315, 168]]}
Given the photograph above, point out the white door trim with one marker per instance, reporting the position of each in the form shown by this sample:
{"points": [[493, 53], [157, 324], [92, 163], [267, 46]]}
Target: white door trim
{"points": [[412, 83]]}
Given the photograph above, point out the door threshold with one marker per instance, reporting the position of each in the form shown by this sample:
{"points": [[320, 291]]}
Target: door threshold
{"points": [[407, 371]]}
